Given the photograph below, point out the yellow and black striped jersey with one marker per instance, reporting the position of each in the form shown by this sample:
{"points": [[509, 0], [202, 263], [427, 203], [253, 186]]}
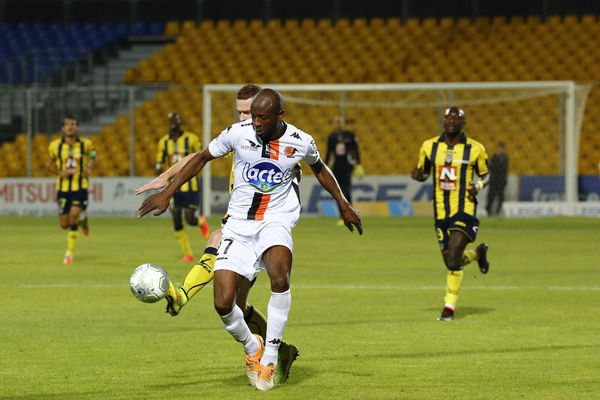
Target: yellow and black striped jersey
{"points": [[170, 151], [453, 168], [75, 156]]}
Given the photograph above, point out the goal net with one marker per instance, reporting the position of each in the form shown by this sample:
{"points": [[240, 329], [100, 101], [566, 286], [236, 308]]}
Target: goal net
{"points": [[537, 121]]}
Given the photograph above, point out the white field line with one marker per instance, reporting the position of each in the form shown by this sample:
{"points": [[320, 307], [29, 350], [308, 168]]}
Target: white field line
{"points": [[330, 287]]}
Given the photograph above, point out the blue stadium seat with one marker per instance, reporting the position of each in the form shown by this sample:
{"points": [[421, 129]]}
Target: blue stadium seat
{"points": [[30, 52]]}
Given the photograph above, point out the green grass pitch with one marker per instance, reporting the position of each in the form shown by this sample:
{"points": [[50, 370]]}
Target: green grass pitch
{"points": [[363, 315]]}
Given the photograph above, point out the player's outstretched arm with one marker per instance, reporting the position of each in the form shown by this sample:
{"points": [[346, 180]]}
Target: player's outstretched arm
{"points": [[327, 180], [159, 202], [163, 179]]}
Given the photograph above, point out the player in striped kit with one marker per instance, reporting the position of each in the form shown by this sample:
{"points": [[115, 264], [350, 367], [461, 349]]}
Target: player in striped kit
{"points": [[262, 214], [72, 159], [171, 148], [453, 160]]}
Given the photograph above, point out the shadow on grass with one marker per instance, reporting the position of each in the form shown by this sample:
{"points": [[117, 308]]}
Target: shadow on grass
{"points": [[462, 312], [298, 374]]}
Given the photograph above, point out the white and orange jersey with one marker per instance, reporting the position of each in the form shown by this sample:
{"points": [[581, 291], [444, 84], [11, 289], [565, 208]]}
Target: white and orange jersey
{"points": [[263, 171]]}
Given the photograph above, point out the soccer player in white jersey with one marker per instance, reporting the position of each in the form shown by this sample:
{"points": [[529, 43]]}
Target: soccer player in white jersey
{"points": [[202, 273], [261, 217]]}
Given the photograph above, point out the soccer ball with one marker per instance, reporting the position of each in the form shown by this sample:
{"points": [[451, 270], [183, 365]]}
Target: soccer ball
{"points": [[149, 283]]}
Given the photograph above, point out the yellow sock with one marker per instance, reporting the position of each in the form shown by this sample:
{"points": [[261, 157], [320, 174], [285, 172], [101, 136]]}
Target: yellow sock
{"points": [[182, 238], [469, 256], [201, 273], [453, 284], [256, 322], [71, 241]]}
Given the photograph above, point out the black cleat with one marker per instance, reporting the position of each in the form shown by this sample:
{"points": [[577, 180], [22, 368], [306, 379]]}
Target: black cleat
{"points": [[484, 265], [287, 355], [447, 314]]}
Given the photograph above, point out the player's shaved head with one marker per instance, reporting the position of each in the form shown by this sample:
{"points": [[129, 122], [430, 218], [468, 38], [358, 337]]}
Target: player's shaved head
{"points": [[454, 110], [269, 99], [174, 117]]}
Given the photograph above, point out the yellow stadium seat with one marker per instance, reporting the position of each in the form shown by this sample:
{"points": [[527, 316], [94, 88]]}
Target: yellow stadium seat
{"points": [[256, 24], [172, 28], [570, 20], [274, 24], [188, 26], [446, 22], [553, 20], [499, 21], [309, 23], [589, 20], [342, 23], [377, 23], [239, 25], [429, 23]]}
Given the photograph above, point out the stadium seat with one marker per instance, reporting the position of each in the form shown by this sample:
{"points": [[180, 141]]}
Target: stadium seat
{"points": [[172, 28]]}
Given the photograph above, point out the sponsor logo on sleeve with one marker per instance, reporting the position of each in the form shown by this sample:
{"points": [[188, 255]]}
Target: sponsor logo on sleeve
{"points": [[250, 145]]}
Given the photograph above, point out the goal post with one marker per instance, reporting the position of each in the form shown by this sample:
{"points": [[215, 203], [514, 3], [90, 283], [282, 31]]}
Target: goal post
{"points": [[538, 119]]}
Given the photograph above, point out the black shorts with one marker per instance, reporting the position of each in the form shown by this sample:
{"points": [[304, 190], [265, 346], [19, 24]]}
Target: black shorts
{"points": [[189, 199], [465, 223], [66, 200]]}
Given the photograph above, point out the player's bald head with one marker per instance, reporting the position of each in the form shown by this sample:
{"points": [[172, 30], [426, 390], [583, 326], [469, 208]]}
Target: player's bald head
{"points": [[455, 110], [268, 99]]}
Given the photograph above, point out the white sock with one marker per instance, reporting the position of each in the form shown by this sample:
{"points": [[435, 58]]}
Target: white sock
{"points": [[237, 327], [277, 315]]}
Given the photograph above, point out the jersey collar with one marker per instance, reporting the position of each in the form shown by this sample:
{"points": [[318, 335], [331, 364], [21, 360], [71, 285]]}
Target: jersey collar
{"points": [[462, 137]]}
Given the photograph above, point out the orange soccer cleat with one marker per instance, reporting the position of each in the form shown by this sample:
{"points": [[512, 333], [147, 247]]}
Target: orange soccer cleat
{"points": [[188, 258], [204, 229], [266, 378], [253, 361]]}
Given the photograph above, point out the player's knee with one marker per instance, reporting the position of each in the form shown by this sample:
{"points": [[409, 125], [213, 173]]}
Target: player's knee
{"points": [[223, 303], [454, 267], [280, 283], [223, 307], [190, 217], [64, 224], [453, 257]]}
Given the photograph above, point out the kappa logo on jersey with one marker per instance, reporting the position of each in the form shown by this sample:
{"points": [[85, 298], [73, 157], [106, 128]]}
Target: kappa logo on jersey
{"points": [[265, 176], [251, 145], [295, 135]]}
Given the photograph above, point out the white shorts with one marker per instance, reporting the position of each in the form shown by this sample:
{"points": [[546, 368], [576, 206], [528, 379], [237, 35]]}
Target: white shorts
{"points": [[244, 241]]}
